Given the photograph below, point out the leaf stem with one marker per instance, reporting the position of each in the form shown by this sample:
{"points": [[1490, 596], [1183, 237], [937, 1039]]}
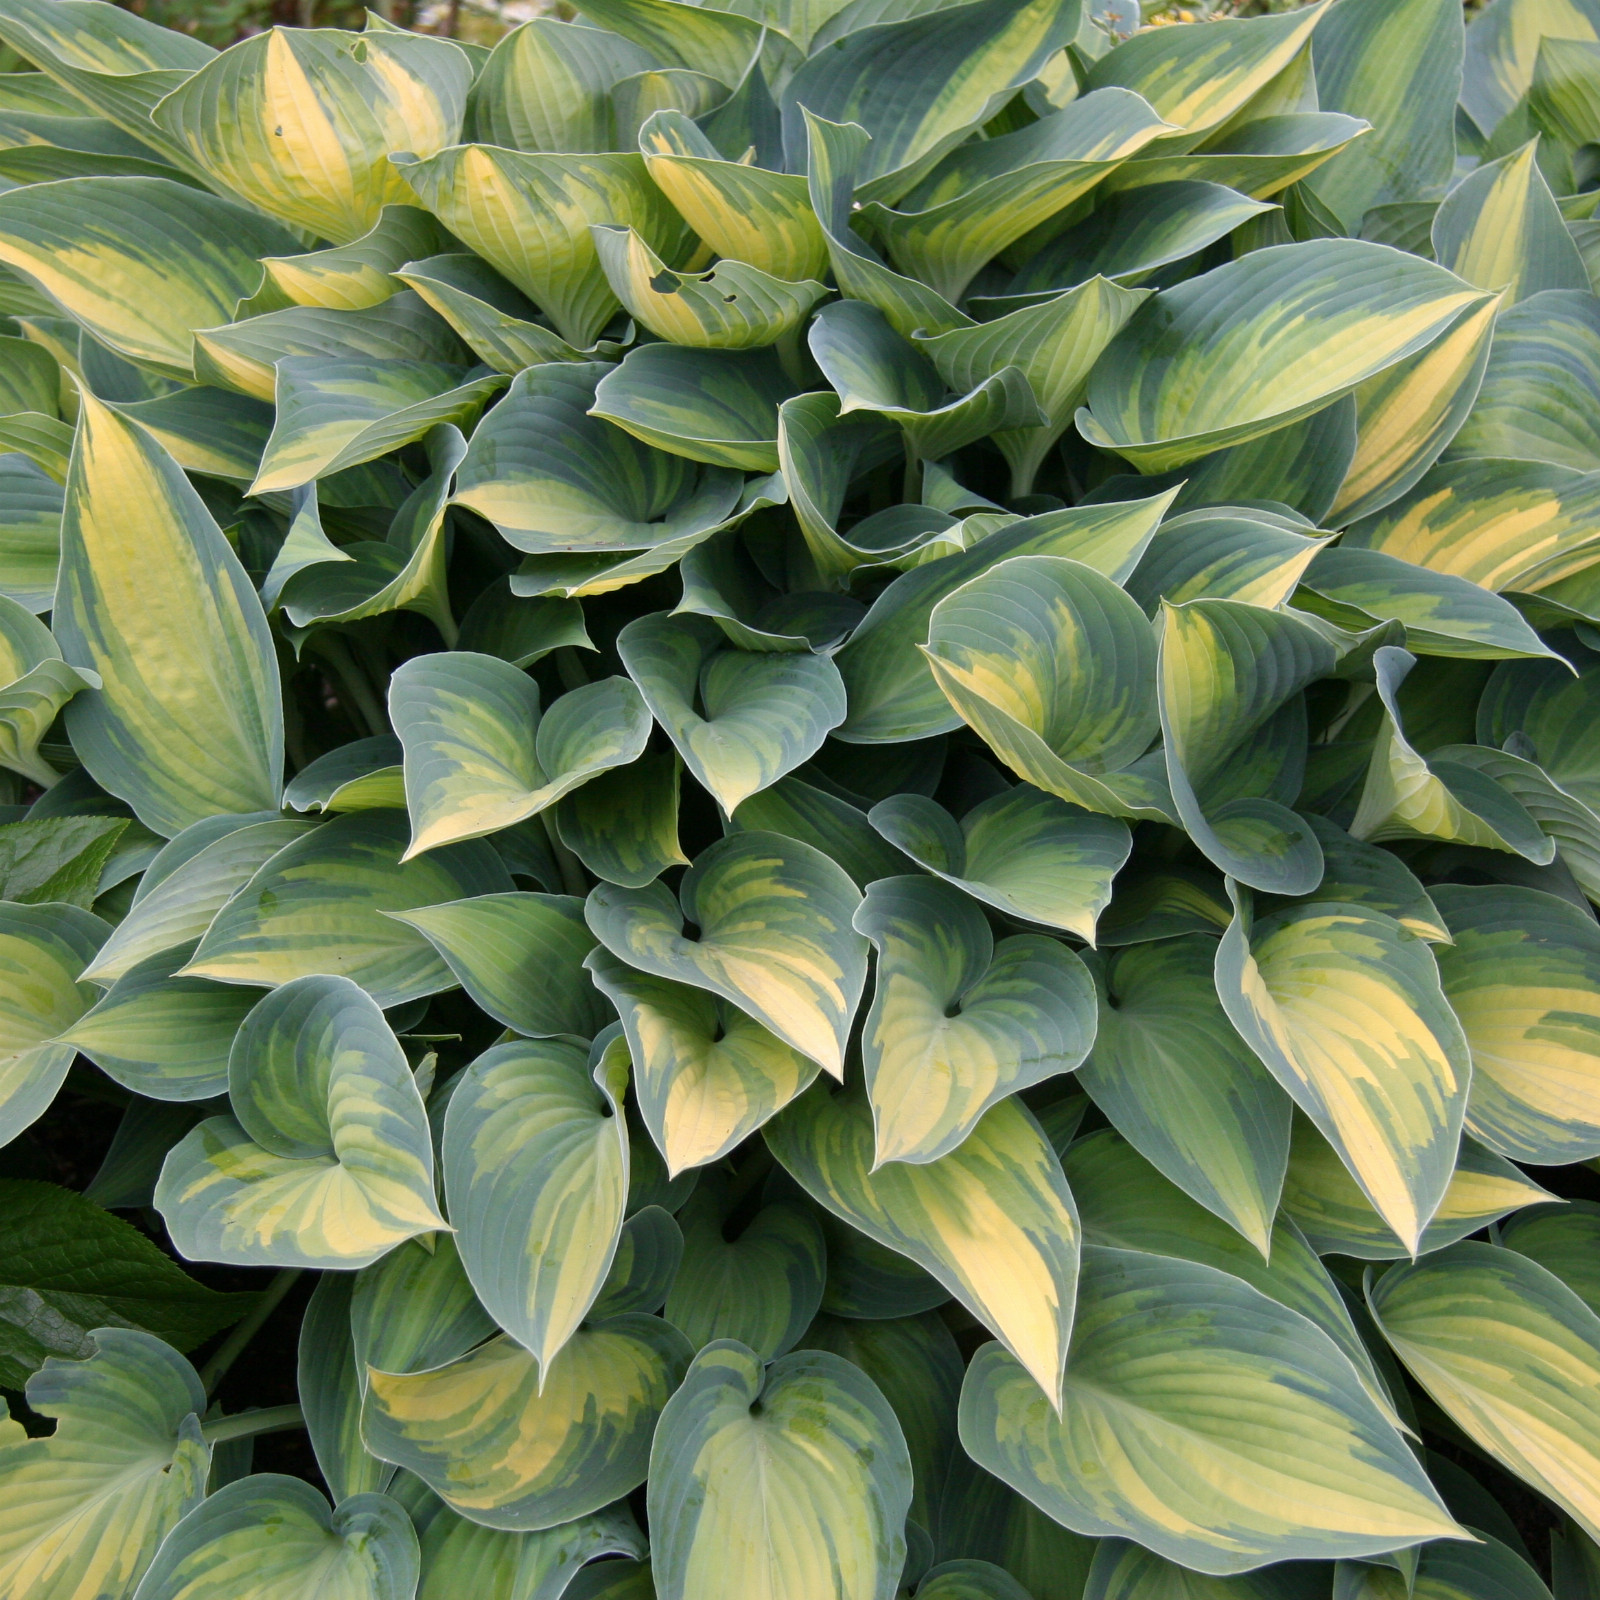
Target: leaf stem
{"points": [[247, 1424], [211, 1374], [353, 682], [571, 869]]}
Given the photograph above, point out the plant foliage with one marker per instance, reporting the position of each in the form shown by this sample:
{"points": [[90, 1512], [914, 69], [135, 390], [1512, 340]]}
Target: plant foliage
{"points": [[849, 754]]}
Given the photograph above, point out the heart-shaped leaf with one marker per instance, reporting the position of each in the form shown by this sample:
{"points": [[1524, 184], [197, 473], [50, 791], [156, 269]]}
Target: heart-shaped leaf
{"points": [[808, 1446], [706, 1075], [535, 1157], [993, 1221], [774, 937], [520, 957], [957, 1022], [498, 1447], [764, 712], [326, 1160], [761, 1288], [1175, 1079], [319, 905], [1136, 1448], [623, 825], [479, 754], [87, 1506], [1344, 1007]]}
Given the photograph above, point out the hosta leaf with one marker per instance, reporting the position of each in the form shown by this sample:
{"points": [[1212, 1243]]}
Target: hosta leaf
{"points": [[918, 86], [958, 1022], [140, 262], [30, 517], [1548, 344], [1560, 1237], [1174, 1078], [480, 756], [189, 721], [1502, 52], [612, 1580], [1262, 342], [207, 430], [983, 197], [1055, 345], [1500, 228], [1023, 852], [529, 216], [718, 43], [1544, 704], [407, 572], [624, 825], [706, 1076], [553, 479], [1126, 1571], [42, 951], [1222, 553], [319, 904], [85, 1508], [1054, 666], [765, 712], [282, 1532], [493, 319], [187, 884], [161, 1035], [545, 86], [535, 1156], [1344, 1008], [326, 1160], [874, 369], [520, 957], [1443, 615], [761, 1287], [779, 1484], [834, 158], [499, 1448], [497, 1565], [985, 1520], [1228, 677], [1141, 1448], [353, 276], [1362, 874], [825, 821], [301, 122], [1129, 235], [1129, 1207], [717, 406], [1507, 1351], [1408, 795], [364, 775], [330, 1385], [649, 1251], [732, 306], [34, 685], [71, 1267], [1337, 1218], [1452, 1570], [415, 1309], [1521, 975], [334, 414], [398, 334], [1201, 78], [993, 1221], [893, 693], [742, 211], [775, 937], [115, 62], [1399, 67]]}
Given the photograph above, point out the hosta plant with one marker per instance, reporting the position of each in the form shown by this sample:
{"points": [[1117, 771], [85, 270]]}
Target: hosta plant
{"points": [[826, 777]]}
